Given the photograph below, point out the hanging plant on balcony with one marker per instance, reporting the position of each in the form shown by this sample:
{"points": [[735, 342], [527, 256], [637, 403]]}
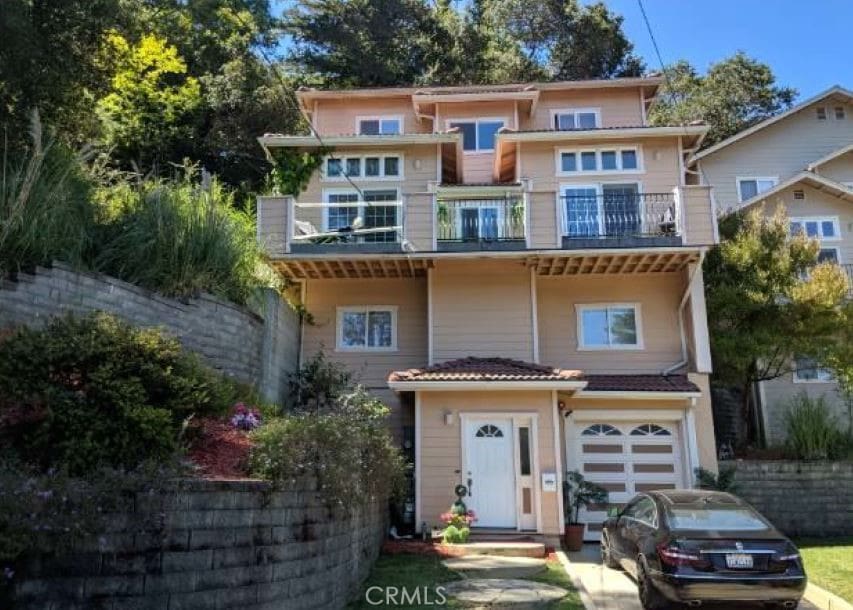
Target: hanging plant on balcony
{"points": [[292, 169], [517, 213]]}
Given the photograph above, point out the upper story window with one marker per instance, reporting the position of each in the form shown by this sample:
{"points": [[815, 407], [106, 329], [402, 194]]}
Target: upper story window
{"points": [[749, 187], [369, 167], [820, 111], [478, 135], [823, 228], [609, 326], [576, 118], [626, 160], [807, 370], [840, 113], [379, 125], [370, 328]]}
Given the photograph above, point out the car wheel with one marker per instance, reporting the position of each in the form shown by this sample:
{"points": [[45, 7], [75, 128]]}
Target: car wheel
{"points": [[650, 597], [606, 554]]}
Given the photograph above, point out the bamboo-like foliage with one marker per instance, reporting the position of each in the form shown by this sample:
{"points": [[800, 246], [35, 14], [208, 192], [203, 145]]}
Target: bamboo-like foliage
{"points": [[813, 432]]}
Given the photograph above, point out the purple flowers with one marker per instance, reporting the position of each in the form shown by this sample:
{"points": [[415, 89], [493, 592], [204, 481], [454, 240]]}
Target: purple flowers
{"points": [[245, 418]]}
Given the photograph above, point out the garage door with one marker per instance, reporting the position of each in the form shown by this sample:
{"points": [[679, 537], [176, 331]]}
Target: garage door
{"points": [[625, 458]]}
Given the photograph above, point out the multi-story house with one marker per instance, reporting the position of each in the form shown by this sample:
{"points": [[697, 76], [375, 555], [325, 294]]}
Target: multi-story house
{"points": [[516, 271], [801, 159]]}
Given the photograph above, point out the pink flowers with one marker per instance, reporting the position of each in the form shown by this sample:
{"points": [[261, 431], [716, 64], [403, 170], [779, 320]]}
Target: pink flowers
{"points": [[245, 418], [459, 519]]}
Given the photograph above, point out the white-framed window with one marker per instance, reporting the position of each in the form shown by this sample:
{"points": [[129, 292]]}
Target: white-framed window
{"points": [[379, 125], [829, 255], [367, 328], [840, 113], [575, 118], [750, 186], [372, 216], [820, 112], [364, 167], [824, 228], [478, 135], [604, 326], [807, 370], [605, 160]]}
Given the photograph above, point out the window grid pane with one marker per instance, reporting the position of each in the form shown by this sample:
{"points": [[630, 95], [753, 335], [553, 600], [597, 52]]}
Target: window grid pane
{"points": [[629, 159], [392, 166], [379, 329], [569, 162], [486, 131], [608, 159], [369, 127], [586, 120], [353, 329], [469, 135], [588, 161], [390, 126]]}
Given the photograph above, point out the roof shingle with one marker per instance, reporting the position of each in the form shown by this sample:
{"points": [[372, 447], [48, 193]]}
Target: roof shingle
{"points": [[639, 383]]}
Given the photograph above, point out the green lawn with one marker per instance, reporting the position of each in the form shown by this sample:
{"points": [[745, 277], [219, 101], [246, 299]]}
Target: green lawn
{"points": [[828, 564], [418, 572]]}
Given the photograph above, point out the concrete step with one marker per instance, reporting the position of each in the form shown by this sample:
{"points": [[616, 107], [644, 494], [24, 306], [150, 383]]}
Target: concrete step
{"points": [[504, 593], [504, 549], [494, 566]]}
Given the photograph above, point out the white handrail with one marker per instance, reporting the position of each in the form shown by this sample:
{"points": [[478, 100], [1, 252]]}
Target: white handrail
{"points": [[351, 204]]}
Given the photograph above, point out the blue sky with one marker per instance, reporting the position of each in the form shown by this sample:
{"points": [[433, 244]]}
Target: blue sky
{"points": [[805, 42]]}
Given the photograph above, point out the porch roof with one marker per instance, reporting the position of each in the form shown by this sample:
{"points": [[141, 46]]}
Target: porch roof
{"points": [[485, 369]]}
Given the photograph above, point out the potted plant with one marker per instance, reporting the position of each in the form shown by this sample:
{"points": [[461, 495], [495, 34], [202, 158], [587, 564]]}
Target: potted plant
{"points": [[577, 493]]}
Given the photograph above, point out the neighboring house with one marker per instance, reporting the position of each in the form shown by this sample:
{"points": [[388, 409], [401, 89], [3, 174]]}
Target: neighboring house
{"points": [[801, 159], [516, 271]]}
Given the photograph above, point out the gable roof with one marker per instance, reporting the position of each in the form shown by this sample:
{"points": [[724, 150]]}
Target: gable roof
{"points": [[835, 90], [831, 156], [822, 183]]}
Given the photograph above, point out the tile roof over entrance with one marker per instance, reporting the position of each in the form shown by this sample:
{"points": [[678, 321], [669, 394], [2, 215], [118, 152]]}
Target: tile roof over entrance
{"points": [[639, 383]]}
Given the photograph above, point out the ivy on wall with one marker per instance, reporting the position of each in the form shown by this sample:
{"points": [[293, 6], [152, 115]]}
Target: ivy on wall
{"points": [[292, 169]]}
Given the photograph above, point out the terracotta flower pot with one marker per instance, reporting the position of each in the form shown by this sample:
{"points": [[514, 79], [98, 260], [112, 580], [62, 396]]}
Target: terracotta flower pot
{"points": [[573, 536]]}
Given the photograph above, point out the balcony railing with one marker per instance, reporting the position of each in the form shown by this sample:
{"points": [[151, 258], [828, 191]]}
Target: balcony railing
{"points": [[626, 217], [480, 223], [353, 226]]}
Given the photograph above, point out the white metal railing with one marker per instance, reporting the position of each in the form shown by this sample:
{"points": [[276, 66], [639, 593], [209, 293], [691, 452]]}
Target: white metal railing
{"points": [[346, 222]]}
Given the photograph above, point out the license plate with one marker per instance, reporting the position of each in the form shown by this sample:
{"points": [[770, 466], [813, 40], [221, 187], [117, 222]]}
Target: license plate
{"points": [[739, 560]]}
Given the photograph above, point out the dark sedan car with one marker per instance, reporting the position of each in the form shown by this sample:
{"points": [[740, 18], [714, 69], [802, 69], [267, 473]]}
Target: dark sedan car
{"points": [[697, 546]]}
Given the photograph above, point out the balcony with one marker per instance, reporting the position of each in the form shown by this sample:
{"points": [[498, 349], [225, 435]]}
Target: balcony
{"points": [[621, 218], [346, 226], [480, 224]]}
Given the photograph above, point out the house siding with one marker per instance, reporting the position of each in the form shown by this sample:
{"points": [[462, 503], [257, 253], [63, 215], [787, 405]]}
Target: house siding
{"points": [[338, 116], [839, 169], [619, 107]]}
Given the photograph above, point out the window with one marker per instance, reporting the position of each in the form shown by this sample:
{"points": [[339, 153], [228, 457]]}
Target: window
{"points": [[524, 451], [714, 519], [601, 210], [799, 195], [643, 510], [615, 326], [372, 216], [577, 118], [367, 328], [489, 431], [650, 430], [374, 126], [478, 135], [828, 255], [840, 114], [599, 160], [601, 430], [370, 167], [748, 188], [807, 370], [821, 113], [817, 227]]}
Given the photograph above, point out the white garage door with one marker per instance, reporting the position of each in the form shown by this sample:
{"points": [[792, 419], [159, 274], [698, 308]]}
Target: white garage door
{"points": [[625, 458]]}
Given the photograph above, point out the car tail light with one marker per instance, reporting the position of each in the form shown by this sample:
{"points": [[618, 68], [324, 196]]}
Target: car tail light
{"points": [[674, 556]]}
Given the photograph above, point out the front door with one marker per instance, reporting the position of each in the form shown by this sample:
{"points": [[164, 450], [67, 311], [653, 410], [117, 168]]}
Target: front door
{"points": [[490, 470]]}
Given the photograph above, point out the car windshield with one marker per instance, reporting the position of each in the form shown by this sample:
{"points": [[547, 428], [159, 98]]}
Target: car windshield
{"points": [[719, 519]]}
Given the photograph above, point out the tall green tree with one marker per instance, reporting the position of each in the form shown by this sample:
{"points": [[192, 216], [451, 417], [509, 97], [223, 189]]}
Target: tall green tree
{"points": [[767, 300], [736, 93]]}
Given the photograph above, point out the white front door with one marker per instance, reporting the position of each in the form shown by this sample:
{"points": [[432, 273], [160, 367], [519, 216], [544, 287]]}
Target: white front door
{"points": [[490, 469]]}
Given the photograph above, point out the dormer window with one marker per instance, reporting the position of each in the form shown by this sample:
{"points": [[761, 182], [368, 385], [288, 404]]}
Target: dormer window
{"points": [[840, 114], [379, 125], [821, 113], [576, 118]]}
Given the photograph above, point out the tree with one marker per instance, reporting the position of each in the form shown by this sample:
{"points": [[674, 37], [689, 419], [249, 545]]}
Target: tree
{"points": [[736, 93], [148, 109], [767, 300], [838, 356]]}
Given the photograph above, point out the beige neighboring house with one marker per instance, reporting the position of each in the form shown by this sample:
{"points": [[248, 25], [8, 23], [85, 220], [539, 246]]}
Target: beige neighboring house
{"points": [[801, 159], [516, 271]]}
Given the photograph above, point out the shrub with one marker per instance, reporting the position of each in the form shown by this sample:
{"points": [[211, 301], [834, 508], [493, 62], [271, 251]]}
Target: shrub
{"points": [[456, 535], [813, 433], [90, 391], [722, 481]]}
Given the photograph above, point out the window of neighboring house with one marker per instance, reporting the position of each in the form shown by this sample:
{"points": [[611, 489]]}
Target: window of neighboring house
{"points": [[807, 370], [821, 113], [372, 328], [823, 228], [828, 255], [373, 126], [599, 160], [748, 188], [840, 114], [478, 135], [578, 118], [612, 326], [368, 166]]}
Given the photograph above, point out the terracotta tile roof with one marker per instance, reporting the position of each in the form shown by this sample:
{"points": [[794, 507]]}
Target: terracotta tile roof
{"points": [[486, 369], [639, 383]]}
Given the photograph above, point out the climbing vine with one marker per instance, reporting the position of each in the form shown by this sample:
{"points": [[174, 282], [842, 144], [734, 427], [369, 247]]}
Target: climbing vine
{"points": [[292, 169]]}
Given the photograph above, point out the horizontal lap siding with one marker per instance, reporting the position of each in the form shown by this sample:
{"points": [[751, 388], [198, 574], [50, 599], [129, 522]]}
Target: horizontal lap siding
{"points": [[698, 215], [272, 223], [481, 309], [476, 167], [839, 169], [619, 107], [440, 451], [658, 295], [543, 220], [337, 117]]}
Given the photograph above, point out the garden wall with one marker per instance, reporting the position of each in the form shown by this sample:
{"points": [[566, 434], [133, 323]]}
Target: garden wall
{"points": [[800, 498], [254, 348], [214, 544]]}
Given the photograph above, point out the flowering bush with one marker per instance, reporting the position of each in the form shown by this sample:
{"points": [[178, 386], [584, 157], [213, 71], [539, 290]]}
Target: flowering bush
{"points": [[458, 521], [245, 418], [464, 519]]}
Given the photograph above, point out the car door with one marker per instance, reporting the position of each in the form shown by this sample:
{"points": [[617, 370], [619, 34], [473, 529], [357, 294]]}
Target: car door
{"points": [[638, 521]]}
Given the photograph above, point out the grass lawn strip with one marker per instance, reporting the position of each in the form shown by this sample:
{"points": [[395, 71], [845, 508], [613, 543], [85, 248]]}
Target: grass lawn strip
{"points": [[419, 571], [829, 564]]}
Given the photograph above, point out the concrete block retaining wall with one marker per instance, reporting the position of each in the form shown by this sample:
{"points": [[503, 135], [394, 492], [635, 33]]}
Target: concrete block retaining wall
{"points": [[258, 348], [800, 498], [212, 544]]}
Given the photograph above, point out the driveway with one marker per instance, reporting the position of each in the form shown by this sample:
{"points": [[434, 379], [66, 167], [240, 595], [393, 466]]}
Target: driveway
{"points": [[615, 590]]}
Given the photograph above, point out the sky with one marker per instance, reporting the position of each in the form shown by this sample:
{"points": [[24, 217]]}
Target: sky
{"points": [[807, 43]]}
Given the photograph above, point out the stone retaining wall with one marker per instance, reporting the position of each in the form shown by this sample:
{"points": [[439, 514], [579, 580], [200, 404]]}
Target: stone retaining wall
{"points": [[800, 498], [213, 545], [258, 348]]}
